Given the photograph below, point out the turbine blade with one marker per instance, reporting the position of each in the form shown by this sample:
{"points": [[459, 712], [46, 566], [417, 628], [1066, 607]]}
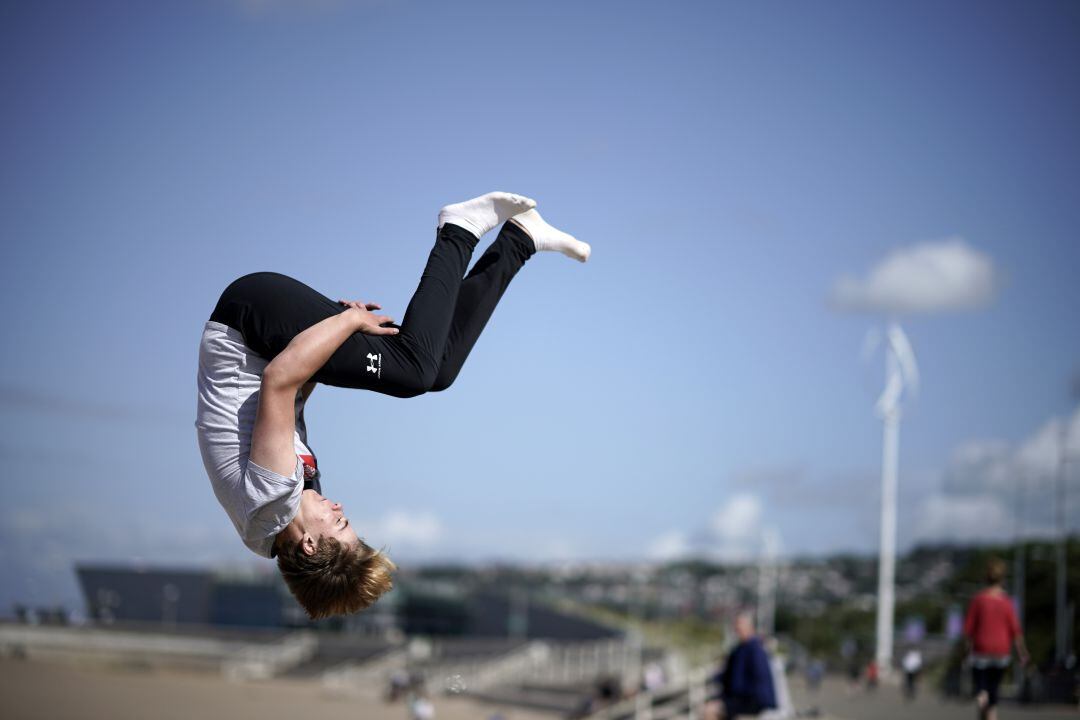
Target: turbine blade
{"points": [[890, 396], [905, 356]]}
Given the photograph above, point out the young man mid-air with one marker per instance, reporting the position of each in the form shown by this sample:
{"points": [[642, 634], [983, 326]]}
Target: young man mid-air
{"points": [[271, 338]]}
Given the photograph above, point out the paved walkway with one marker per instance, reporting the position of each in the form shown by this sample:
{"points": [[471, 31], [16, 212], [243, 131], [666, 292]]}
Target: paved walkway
{"points": [[50, 691], [837, 702], [37, 690]]}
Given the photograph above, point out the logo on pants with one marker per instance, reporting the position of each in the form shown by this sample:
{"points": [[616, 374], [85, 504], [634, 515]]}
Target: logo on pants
{"points": [[375, 364]]}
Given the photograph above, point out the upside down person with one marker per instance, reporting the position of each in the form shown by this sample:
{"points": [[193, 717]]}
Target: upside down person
{"points": [[271, 338]]}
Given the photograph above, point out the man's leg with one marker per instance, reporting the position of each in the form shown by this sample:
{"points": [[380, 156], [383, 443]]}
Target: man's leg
{"points": [[270, 309], [993, 682], [978, 681], [519, 238], [479, 294]]}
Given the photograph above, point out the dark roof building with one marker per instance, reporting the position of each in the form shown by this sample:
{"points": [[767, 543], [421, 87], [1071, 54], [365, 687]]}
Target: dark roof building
{"points": [[185, 596], [254, 600]]}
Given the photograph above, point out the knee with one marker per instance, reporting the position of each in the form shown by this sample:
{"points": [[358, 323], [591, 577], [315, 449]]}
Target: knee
{"points": [[416, 384], [443, 381], [411, 389]]}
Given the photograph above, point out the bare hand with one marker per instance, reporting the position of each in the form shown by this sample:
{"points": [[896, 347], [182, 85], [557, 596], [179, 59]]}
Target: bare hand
{"points": [[366, 321]]}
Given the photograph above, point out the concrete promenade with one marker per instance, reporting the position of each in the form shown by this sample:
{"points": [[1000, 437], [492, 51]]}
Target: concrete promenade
{"points": [[836, 701], [55, 691], [32, 690]]}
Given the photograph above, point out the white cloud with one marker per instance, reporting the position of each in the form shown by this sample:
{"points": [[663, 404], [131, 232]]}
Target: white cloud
{"points": [[736, 528], [404, 529], [980, 466], [669, 546], [991, 488], [738, 519], [927, 277], [734, 534], [828, 511], [964, 518], [1040, 454]]}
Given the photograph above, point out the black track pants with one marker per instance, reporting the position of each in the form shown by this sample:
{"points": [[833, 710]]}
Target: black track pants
{"points": [[442, 323]]}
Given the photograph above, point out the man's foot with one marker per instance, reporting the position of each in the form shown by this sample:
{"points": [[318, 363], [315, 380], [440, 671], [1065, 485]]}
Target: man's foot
{"points": [[546, 237], [485, 212]]}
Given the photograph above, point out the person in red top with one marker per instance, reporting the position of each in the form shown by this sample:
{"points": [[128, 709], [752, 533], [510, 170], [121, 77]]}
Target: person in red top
{"points": [[992, 630]]}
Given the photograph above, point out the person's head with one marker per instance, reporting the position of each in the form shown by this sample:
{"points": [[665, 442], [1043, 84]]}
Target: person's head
{"points": [[327, 567], [744, 626], [995, 571]]}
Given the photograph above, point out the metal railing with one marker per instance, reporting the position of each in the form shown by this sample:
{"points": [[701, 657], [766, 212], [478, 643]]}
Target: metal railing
{"points": [[680, 699], [352, 675], [259, 662]]}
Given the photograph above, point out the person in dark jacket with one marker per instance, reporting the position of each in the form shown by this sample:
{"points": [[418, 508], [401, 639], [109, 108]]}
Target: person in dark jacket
{"points": [[746, 681]]}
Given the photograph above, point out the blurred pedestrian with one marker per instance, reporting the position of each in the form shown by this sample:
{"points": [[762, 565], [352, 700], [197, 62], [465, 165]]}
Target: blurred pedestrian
{"points": [[912, 664], [992, 630], [420, 707], [849, 650], [654, 677], [815, 673], [872, 674], [399, 683], [746, 681]]}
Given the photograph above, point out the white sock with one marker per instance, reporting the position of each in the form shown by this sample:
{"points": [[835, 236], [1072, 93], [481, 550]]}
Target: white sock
{"points": [[485, 212], [546, 237]]}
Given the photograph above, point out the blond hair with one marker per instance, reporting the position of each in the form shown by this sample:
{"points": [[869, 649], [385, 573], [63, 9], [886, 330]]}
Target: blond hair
{"points": [[337, 578]]}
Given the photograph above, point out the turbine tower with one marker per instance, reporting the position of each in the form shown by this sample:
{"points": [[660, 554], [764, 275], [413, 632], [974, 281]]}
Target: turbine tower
{"points": [[901, 373]]}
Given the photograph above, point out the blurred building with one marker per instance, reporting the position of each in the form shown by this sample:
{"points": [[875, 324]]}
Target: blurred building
{"points": [[197, 597], [165, 596], [490, 613]]}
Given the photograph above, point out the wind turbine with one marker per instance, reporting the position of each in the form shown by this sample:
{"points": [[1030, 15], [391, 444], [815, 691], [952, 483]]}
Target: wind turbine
{"points": [[901, 374]]}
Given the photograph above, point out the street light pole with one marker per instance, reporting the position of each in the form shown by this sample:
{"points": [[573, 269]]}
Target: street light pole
{"points": [[1061, 624], [1019, 579]]}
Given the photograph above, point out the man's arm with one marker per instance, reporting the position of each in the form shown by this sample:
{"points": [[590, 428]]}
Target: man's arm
{"points": [[275, 420], [1021, 649], [301, 425], [969, 625], [764, 691], [1018, 636], [735, 672]]}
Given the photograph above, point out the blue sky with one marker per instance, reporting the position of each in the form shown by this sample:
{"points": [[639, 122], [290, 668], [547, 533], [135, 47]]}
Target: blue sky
{"points": [[690, 385]]}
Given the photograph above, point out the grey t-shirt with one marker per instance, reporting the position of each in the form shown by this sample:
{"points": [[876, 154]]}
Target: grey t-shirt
{"points": [[259, 502]]}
